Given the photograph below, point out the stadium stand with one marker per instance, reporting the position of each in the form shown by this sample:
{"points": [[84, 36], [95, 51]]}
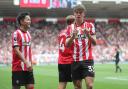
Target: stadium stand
{"points": [[45, 46], [109, 17]]}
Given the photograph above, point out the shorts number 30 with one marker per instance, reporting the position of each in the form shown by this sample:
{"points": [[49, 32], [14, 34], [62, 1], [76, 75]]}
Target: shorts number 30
{"points": [[90, 69]]}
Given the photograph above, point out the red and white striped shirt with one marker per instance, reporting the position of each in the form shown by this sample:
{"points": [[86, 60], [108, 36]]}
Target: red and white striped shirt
{"points": [[65, 54], [23, 41], [82, 47]]}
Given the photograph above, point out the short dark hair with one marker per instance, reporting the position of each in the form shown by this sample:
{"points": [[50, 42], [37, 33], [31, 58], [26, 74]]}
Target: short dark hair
{"points": [[21, 16], [70, 19], [79, 7]]}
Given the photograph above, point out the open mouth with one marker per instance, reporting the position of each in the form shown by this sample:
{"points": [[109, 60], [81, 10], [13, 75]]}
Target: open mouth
{"points": [[78, 17]]}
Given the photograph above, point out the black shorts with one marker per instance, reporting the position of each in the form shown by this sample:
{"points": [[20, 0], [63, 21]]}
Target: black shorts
{"points": [[64, 72], [21, 78], [82, 69]]}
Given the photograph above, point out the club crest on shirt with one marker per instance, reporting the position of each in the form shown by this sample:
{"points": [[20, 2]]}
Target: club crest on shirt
{"points": [[81, 36]]}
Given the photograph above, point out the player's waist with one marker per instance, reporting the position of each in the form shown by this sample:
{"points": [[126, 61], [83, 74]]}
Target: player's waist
{"points": [[85, 61], [81, 58]]}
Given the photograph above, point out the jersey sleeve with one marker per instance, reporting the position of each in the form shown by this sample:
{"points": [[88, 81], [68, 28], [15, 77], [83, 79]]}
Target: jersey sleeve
{"points": [[15, 39], [92, 32]]}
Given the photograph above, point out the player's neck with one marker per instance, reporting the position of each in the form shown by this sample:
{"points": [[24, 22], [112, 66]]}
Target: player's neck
{"points": [[23, 29], [79, 22]]}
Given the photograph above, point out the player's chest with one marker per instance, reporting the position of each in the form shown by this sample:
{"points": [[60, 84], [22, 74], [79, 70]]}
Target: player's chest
{"points": [[25, 40], [80, 33]]}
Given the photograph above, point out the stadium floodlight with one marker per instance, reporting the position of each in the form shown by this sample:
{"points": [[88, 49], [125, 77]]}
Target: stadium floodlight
{"points": [[16, 2]]}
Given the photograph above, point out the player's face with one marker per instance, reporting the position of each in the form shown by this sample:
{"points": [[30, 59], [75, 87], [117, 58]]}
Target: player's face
{"points": [[79, 15], [27, 22]]}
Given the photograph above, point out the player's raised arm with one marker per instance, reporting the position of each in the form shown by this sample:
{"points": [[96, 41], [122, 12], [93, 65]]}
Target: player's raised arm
{"points": [[91, 37], [90, 32], [70, 39]]}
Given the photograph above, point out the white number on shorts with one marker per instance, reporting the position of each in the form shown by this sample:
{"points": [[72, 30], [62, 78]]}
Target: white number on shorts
{"points": [[90, 69]]}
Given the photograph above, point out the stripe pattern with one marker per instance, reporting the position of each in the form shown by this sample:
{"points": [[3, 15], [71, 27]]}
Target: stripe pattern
{"points": [[82, 47], [23, 41]]}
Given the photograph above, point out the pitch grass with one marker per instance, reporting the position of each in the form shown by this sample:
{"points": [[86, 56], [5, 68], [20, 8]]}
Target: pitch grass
{"points": [[46, 77]]}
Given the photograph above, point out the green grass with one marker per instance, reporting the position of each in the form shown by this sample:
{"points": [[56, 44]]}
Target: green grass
{"points": [[46, 77]]}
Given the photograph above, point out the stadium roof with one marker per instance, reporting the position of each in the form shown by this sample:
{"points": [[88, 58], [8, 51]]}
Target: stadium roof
{"points": [[100, 9]]}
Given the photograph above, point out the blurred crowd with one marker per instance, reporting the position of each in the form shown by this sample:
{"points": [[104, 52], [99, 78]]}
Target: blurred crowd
{"points": [[45, 41], [109, 36]]}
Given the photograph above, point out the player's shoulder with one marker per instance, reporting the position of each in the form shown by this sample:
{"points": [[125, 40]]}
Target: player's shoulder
{"points": [[70, 26], [15, 31], [62, 32], [89, 23]]}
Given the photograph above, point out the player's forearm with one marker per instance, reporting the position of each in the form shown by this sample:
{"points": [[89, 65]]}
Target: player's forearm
{"points": [[69, 41], [19, 54], [92, 38]]}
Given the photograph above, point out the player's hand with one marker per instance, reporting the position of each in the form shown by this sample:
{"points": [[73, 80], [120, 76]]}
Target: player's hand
{"points": [[29, 66], [86, 31], [74, 33], [30, 69]]}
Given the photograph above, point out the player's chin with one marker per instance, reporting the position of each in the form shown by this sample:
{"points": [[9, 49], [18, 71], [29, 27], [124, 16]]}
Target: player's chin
{"points": [[28, 26]]}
